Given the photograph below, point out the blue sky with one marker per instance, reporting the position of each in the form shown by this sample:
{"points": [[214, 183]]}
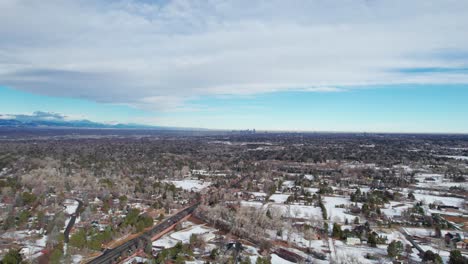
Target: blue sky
{"points": [[403, 108], [337, 65]]}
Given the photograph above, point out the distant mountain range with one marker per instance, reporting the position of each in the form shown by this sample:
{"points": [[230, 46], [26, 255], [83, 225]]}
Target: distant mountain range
{"points": [[72, 124], [53, 120]]}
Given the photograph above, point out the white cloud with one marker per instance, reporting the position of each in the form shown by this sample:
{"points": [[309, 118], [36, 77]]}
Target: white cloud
{"points": [[6, 117], [157, 55], [323, 89]]}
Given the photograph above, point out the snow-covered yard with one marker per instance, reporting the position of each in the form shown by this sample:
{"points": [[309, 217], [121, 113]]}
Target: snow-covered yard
{"points": [[184, 235], [279, 198], [289, 210], [427, 199], [298, 210], [426, 232], [337, 214], [275, 259], [191, 185], [165, 242], [395, 208]]}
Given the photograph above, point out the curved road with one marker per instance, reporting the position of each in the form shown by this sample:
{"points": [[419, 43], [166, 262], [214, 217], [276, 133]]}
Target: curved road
{"points": [[69, 227]]}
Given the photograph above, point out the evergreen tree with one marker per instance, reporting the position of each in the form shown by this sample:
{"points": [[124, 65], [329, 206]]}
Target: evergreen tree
{"points": [[394, 249]]}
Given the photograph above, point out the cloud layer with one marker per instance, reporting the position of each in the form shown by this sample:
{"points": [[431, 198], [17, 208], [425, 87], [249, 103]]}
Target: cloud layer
{"points": [[160, 54]]}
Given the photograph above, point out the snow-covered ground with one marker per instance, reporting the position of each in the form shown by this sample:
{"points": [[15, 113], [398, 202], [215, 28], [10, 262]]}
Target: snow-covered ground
{"points": [[76, 259], [184, 235], [165, 242], [288, 184], [344, 252], [427, 199], [395, 208], [17, 235], [289, 210], [33, 249], [279, 198], [437, 181], [70, 206], [425, 232], [275, 259], [191, 185], [251, 204], [311, 190], [298, 211], [337, 214], [259, 194]]}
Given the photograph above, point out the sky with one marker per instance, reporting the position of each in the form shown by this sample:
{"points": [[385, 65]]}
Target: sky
{"points": [[305, 65]]}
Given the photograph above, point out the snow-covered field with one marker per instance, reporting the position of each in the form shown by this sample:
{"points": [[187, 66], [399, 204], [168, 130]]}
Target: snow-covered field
{"points": [[425, 232], [191, 185], [184, 235], [337, 214], [437, 181], [395, 208], [427, 199], [344, 252], [298, 211], [289, 210]]}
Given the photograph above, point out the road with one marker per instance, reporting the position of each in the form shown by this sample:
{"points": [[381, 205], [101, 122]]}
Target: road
{"points": [[411, 240], [71, 223]]}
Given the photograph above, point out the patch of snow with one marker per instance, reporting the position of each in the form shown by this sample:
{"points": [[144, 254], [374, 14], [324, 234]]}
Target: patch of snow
{"points": [[427, 198], [279, 198], [337, 214], [76, 259], [70, 206], [165, 242], [298, 211], [275, 259], [184, 235], [191, 185]]}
